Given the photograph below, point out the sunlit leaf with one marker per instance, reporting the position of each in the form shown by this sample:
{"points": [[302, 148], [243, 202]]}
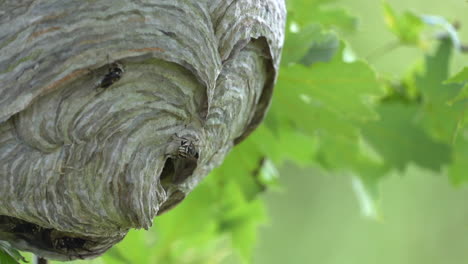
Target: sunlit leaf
{"points": [[339, 87], [368, 197], [9, 255], [407, 27], [267, 174]]}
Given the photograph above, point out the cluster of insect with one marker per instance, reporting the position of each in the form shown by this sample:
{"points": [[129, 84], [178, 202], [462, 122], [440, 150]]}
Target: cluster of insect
{"points": [[46, 237], [69, 244]]}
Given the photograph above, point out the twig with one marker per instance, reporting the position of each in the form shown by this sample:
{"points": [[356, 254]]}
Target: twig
{"points": [[445, 35], [39, 260], [464, 48]]}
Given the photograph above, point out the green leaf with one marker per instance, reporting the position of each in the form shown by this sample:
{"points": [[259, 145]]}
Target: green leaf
{"points": [[280, 144], [407, 27], [461, 96], [9, 255], [7, 259], [341, 88], [241, 219], [309, 45], [322, 50], [457, 170], [242, 163], [130, 249], [438, 116], [335, 17], [190, 232], [305, 12], [460, 77], [399, 141], [308, 117], [298, 43]]}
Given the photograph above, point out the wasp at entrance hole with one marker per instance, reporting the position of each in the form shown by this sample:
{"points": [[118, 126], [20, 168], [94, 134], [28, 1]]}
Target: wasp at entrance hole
{"points": [[187, 149]]}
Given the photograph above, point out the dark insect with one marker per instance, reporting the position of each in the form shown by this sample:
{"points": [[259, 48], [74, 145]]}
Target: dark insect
{"points": [[115, 73], [67, 243], [187, 149], [71, 245]]}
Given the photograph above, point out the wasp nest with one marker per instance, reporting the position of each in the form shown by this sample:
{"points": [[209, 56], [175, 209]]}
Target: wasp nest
{"points": [[111, 112]]}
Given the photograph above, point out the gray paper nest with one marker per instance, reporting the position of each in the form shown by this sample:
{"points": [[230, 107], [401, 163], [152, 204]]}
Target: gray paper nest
{"points": [[83, 162]]}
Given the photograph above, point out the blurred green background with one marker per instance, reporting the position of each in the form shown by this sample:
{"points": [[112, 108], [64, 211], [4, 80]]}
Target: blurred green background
{"points": [[372, 34], [316, 217]]}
